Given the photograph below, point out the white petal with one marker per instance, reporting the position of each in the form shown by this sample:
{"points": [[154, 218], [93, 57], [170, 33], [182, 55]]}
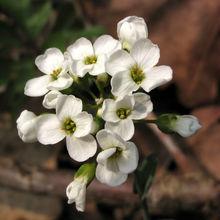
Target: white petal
{"points": [[50, 99], [49, 130], [156, 76], [187, 125], [80, 68], [109, 111], [131, 29], [27, 126], [73, 189], [145, 53], [51, 60], [25, 116], [124, 128], [99, 66], [81, 199], [143, 106], [68, 106], [122, 84], [127, 102], [105, 154], [107, 139], [106, 44], [119, 61], [128, 160], [83, 123], [109, 177], [81, 49], [64, 81], [81, 149], [37, 86]]}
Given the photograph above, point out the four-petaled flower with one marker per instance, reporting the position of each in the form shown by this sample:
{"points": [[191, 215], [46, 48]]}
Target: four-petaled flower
{"points": [[70, 122], [119, 114], [53, 64], [117, 159], [88, 58], [133, 70]]}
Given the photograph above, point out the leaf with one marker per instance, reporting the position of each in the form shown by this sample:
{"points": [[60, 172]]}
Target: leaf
{"points": [[144, 175]]}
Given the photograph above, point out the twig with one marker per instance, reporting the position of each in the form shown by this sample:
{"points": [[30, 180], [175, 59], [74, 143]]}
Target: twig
{"points": [[168, 195]]}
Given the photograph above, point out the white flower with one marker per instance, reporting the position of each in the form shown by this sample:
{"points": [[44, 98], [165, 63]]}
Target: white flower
{"points": [[50, 99], [27, 126], [116, 160], [76, 192], [54, 66], [130, 30], [186, 125], [72, 123], [88, 58], [136, 69], [119, 114]]}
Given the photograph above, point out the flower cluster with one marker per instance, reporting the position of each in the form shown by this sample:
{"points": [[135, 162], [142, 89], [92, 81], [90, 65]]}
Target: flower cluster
{"points": [[96, 91]]}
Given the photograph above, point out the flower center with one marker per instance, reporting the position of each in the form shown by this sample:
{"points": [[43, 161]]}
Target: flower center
{"points": [[56, 73], [69, 126], [137, 74], [123, 113], [90, 60], [116, 154]]}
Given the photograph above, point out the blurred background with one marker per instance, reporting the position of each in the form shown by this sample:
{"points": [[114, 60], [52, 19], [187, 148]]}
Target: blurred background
{"points": [[33, 177]]}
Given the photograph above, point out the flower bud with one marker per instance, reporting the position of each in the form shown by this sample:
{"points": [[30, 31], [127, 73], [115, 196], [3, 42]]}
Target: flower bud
{"points": [[26, 125], [50, 99], [130, 30], [184, 125], [76, 190]]}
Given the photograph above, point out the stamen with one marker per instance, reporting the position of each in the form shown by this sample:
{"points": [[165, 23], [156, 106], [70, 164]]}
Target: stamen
{"points": [[90, 60], [123, 113], [116, 154], [56, 73], [137, 74], [69, 126]]}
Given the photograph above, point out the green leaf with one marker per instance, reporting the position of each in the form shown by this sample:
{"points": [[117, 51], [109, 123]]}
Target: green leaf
{"points": [[35, 23], [144, 175]]}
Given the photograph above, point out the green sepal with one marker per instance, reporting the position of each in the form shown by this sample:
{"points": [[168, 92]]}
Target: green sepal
{"points": [[87, 171], [166, 122]]}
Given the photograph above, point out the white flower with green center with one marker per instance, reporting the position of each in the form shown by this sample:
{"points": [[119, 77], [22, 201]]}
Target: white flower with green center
{"points": [[27, 126], [54, 66], [134, 70], [50, 99], [88, 58], [117, 159], [119, 114], [130, 30], [76, 190], [70, 122]]}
